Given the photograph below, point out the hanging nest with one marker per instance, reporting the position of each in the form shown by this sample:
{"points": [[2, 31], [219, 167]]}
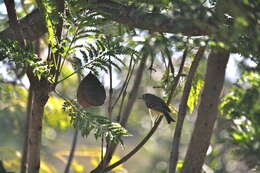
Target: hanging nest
{"points": [[91, 92]]}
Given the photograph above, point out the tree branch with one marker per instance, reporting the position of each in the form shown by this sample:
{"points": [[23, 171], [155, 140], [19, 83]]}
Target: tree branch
{"points": [[137, 18], [138, 147], [182, 111], [207, 111], [10, 7], [126, 113], [156, 124], [32, 26]]}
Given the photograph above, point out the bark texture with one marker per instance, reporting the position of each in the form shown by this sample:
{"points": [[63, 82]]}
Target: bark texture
{"points": [[182, 111], [207, 112], [32, 27], [41, 91]]}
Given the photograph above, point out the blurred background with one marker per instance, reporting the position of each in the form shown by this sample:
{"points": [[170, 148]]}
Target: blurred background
{"points": [[235, 145]]}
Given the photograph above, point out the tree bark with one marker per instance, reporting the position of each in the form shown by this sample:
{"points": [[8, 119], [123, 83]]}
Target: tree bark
{"points": [[182, 111], [207, 112], [32, 26], [41, 91], [26, 132]]}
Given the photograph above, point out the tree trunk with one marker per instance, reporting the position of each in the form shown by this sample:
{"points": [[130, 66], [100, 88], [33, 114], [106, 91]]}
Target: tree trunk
{"points": [[41, 91], [207, 112], [26, 132], [182, 111]]}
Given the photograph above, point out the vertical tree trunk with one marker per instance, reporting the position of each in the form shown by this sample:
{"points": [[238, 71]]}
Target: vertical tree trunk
{"points": [[26, 132], [182, 111], [207, 112], [41, 91]]}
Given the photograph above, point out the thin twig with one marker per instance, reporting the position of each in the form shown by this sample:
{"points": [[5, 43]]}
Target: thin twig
{"points": [[131, 99], [125, 82], [137, 148], [156, 124], [124, 93], [182, 111], [82, 67], [177, 78], [110, 90], [74, 143], [72, 151]]}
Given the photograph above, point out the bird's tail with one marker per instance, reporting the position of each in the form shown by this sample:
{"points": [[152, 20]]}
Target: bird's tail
{"points": [[168, 117]]}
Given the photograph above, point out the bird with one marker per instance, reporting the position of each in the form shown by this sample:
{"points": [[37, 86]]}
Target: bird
{"points": [[157, 104]]}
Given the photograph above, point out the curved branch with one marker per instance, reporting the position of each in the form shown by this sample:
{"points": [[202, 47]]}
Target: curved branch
{"points": [[157, 122], [137, 148]]}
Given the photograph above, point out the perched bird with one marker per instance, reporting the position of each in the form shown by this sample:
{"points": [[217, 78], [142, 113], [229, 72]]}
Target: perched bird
{"points": [[157, 104]]}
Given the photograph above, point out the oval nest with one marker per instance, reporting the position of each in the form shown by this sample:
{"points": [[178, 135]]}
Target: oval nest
{"points": [[91, 92]]}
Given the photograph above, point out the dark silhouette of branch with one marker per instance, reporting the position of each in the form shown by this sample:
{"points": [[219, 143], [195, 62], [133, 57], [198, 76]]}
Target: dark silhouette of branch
{"points": [[182, 111]]}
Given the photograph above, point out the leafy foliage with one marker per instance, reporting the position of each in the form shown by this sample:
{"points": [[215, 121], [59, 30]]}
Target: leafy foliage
{"points": [[87, 122], [241, 106], [194, 93], [22, 58], [103, 53]]}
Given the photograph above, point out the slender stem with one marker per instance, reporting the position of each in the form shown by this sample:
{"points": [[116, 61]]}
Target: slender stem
{"points": [[72, 151], [102, 148], [123, 120], [75, 137], [75, 72], [182, 111], [125, 82], [156, 124], [137, 148], [67, 52], [177, 78], [110, 90]]}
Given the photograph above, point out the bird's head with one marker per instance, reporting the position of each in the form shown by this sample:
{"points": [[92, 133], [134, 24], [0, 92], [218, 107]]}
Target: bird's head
{"points": [[145, 96]]}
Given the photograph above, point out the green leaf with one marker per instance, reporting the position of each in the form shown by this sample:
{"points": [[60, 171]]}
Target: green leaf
{"points": [[194, 94]]}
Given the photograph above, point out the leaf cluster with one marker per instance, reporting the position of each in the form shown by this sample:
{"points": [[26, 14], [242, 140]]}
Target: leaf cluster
{"points": [[103, 54], [23, 58], [241, 106], [87, 122]]}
